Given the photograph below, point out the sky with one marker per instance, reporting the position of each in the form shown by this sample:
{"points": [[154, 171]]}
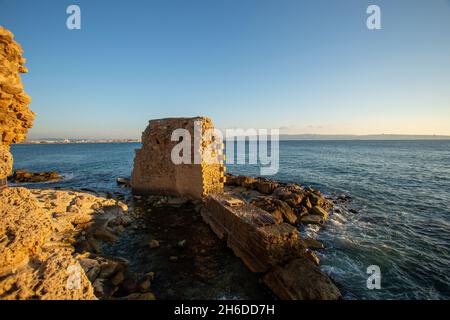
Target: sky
{"points": [[300, 66]]}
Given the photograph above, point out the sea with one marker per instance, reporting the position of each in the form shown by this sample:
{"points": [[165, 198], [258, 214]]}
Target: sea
{"points": [[397, 217]]}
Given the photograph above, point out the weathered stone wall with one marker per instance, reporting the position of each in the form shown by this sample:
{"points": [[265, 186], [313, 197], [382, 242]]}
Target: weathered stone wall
{"points": [[15, 116], [154, 171], [268, 246]]}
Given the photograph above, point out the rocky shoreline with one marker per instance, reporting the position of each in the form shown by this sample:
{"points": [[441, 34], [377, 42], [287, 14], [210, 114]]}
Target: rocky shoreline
{"points": [[96, 234], [51, 246], [65, 244]]}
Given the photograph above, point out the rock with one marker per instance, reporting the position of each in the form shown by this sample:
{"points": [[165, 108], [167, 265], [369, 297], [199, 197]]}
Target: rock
{"points": [[312, 219], [312, 257], [234, 202], [282, 193], [120, 229], [103, 288], [118, 278], [147, 296], [177, 201], [246, 182], [312, 244], [21, 176], [94, 245], [271, 206], [182, 243], [252, 233], [130, 285], [145, 285], [108, 270], [103, 233], [318, 211], [300, 279], [173, 258], [277, 208], [294, 200], [317, 199], [150, 275], [30, 234], [91, 267], [306, 203], [153, 244], [264, 186], [230, 180], [289, 215], [140, 296], [38, 228], [123, 181], [124, 220]]}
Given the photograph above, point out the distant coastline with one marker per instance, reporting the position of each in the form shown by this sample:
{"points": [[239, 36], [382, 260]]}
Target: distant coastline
{"points": [[290, 137], [73, 141], [283, 137]]}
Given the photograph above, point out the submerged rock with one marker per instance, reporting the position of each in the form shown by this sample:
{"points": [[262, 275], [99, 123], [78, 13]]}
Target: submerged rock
{"points": [[153, 244], [312, 219], [318, 211], [312, 244], [124, 182], [21, 176]]}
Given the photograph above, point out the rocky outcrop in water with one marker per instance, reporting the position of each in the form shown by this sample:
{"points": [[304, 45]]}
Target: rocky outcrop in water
{"points": [[15, 116], [270, 246], [287, 202], [258, 218], [20, 176]]}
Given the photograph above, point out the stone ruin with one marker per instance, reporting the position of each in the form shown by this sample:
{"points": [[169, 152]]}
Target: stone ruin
{"points": [[154, 171], [267, 244], [15, 116]]}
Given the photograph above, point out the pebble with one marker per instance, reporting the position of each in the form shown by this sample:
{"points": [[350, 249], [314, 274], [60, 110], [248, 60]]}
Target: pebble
{"points": [[153, 244]]}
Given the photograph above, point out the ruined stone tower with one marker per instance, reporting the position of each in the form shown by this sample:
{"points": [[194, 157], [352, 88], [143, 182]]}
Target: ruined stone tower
{"points": [[155, 172], [15, 116]]}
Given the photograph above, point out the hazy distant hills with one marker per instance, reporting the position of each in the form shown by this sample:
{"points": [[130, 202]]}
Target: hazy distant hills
{"points": [[361, 137]]}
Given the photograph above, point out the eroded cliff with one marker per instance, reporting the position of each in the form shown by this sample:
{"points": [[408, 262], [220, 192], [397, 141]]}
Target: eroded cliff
{"points": [[15, 116]]}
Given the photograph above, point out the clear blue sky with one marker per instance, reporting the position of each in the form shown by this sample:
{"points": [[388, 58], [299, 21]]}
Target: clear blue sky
{"points": [[303, 66]]}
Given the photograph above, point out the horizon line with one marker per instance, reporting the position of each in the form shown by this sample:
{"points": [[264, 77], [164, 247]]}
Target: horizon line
{"points": [[282, 137]]}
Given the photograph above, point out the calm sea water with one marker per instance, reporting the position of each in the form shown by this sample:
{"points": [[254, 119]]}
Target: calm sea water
{"points": [[401, 190]]}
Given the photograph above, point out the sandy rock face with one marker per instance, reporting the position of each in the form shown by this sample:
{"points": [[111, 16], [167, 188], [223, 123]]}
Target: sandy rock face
{"points": [[6, 162], [38, 233], [15, 116]]}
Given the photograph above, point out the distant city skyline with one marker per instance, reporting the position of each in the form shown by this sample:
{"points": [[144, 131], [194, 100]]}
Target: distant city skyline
{"points": [[305, 67]]}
